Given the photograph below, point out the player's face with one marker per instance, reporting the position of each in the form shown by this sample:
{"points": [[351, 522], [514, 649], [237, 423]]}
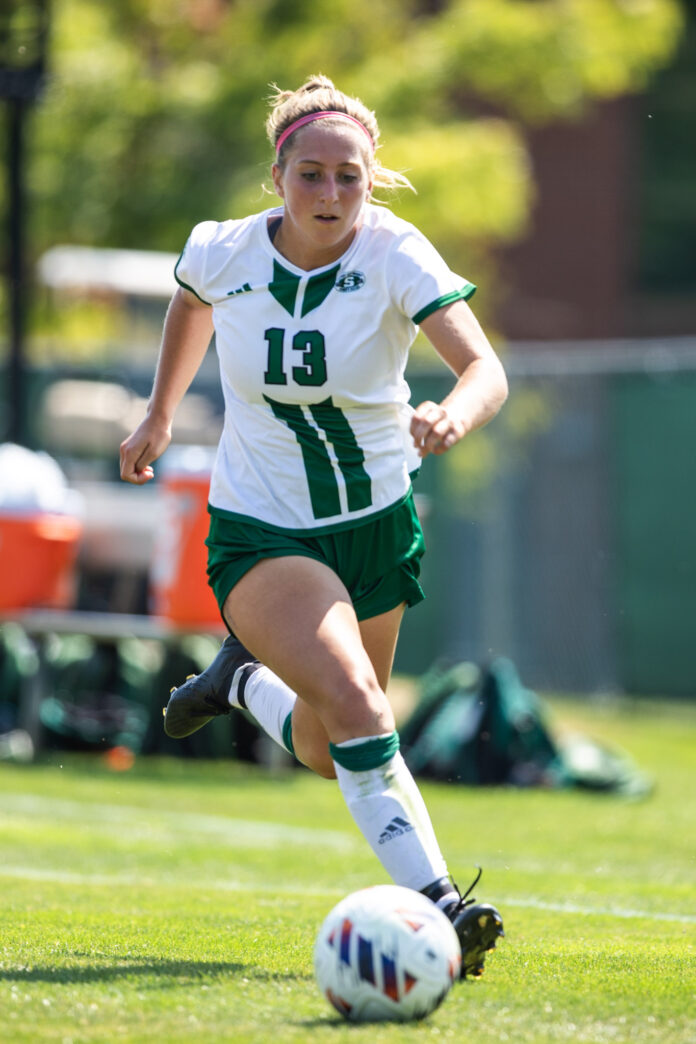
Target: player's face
{"points": [[324, 183]]}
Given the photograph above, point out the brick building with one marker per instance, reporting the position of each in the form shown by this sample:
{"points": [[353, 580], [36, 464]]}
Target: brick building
{"points": [[611, 250]]}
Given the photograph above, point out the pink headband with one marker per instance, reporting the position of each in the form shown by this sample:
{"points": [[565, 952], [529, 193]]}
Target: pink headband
{"points": [[320, 116]]}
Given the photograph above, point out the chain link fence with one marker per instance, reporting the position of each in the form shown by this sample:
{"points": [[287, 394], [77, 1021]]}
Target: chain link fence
{"points": [[562, 535]]}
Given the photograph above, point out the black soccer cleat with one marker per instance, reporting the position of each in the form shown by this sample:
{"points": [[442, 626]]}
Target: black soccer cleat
{"points": [[205, 696], [478, 927]]}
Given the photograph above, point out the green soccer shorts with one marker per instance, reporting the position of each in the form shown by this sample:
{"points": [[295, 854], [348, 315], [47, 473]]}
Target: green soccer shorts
{"points": [[377, 559]]}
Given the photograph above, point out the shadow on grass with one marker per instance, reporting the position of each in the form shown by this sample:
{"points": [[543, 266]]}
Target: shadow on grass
{"points": [[181, 971], [328, 1022]]}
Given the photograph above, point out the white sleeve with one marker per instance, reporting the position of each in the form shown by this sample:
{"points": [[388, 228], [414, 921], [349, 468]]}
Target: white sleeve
{"points": [[190, 269], [420, 281]]}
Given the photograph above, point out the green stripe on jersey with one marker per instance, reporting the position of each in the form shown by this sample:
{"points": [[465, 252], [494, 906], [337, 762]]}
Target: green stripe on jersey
{"points": [[323, 488], [348, 453], [318, 289], [284, 287], [467, 291], [319, 468]]}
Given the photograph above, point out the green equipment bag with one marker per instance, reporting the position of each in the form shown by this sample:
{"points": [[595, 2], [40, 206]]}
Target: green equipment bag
{"points": [[18, 662], [484, 727], [480, 727]]}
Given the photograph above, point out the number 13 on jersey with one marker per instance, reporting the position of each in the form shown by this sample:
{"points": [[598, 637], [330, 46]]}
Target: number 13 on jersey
{"points": [[311, 372]]}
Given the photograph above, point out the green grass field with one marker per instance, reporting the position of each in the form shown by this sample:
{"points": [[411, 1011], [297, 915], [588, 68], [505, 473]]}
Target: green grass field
{"points": [[179, 901]]}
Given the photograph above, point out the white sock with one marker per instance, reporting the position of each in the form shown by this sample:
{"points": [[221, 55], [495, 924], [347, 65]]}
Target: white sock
{"points": [[268, 699], [388, 808]]}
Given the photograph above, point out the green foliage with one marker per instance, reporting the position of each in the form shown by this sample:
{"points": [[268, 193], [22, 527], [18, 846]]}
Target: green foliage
{"points": [[180, 900], [547, 59], [472, 180], [154, 114]]}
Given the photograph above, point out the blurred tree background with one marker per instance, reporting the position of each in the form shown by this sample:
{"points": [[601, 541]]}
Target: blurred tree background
{"points": [[153, 119], [153, 115]]}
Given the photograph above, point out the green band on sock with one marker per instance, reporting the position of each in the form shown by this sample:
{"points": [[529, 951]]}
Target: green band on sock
{"points": [[287, 734], [367, 755]]}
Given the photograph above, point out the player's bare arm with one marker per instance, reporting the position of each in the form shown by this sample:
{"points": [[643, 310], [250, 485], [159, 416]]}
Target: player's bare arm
{"points": [[188, 328], [481, 387]]}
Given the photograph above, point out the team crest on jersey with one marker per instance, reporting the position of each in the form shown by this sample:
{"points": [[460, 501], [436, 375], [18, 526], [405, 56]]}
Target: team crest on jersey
{"points": [[350, 281]]}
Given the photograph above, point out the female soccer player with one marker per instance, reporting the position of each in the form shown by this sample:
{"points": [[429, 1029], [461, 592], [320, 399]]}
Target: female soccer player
{"points": [[314, 543]]}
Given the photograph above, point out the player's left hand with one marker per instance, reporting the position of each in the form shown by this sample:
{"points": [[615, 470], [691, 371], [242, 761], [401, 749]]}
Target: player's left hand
{"points": [[434, 430]]}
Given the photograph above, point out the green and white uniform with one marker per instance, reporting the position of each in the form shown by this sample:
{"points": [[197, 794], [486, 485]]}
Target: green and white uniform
{"points": [[312, 368], [315, 458]]}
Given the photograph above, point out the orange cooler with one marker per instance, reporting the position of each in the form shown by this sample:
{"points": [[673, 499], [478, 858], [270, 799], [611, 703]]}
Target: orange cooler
{"points": [[178, 580], [37, 559]]}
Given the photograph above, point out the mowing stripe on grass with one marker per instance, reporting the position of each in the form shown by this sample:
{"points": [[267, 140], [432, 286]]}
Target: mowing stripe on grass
{"points": [[30, 873], [588, 911], [156, 824]]}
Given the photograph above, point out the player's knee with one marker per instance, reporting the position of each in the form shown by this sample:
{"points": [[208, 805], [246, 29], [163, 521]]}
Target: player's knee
{"points": [[360, 708], [353, 706]]}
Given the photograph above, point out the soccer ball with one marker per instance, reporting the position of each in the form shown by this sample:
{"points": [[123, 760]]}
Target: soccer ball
{"points": [[386, 953]]}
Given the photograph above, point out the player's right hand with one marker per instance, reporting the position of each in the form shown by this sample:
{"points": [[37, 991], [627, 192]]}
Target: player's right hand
{"points": [[148, 442]]}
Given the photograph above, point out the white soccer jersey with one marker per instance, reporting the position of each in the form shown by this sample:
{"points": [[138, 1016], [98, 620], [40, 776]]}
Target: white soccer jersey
{"points": [[312, 367]]}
